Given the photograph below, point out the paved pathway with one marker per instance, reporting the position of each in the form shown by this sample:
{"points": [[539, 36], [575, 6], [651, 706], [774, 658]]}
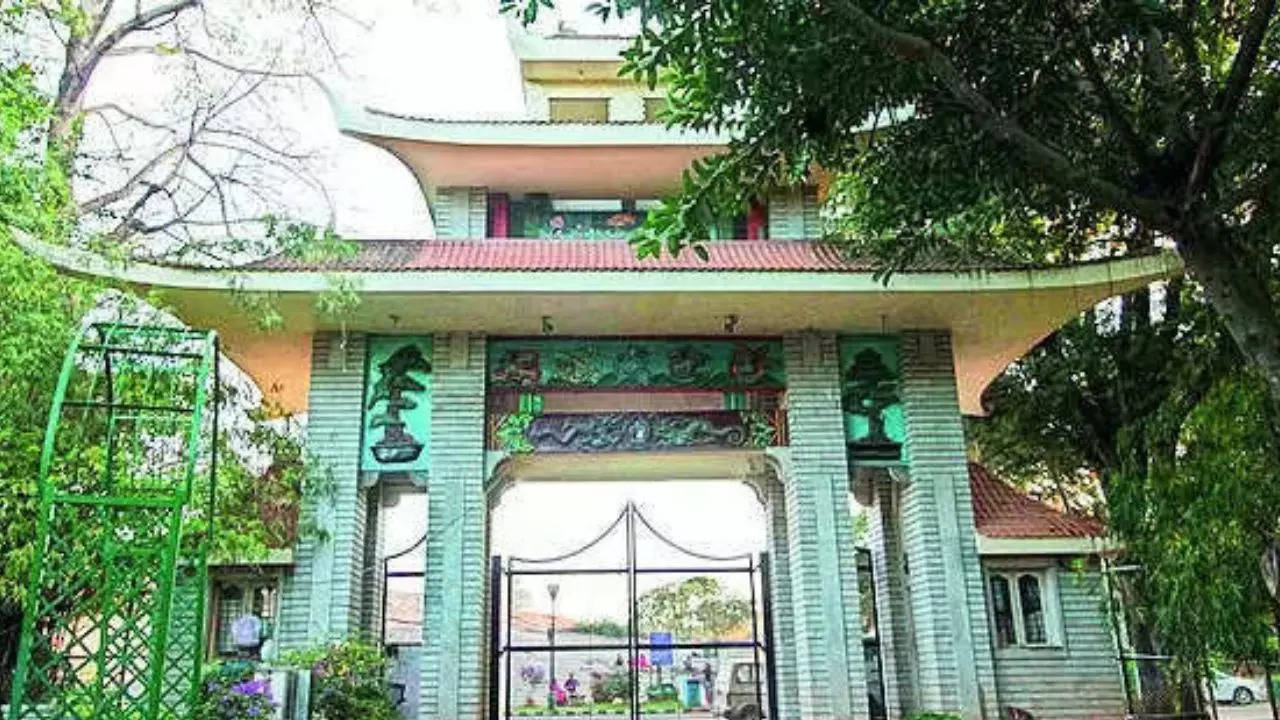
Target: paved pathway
{"points": [[1256, 711]]}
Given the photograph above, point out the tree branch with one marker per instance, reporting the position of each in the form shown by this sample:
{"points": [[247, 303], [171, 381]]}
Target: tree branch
{"points": [[1246, 58], [1208, 152], [99, 202], [141, 20], [113, 107], [1111, 107], [1052, 164]]}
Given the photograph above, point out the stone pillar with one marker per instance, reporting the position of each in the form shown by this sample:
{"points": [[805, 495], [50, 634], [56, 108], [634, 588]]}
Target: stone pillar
{"points": [[948, 609], [831, 683], [374, 550], [453, 658], [322, 598], [887, 563]]}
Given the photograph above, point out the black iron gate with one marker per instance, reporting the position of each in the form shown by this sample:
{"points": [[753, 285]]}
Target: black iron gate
{"points": [[745, 653]]}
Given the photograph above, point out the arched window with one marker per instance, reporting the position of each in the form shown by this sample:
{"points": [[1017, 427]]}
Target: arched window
{"points": [[1024, 610]]}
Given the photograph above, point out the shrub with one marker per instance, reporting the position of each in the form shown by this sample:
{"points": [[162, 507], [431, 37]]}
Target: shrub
{"points": [[232, 692], [612, 687], [349, 680], [663, 692]]}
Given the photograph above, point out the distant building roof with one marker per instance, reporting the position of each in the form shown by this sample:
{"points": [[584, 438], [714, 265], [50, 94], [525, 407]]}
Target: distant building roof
{"points": [[1002, 511]]}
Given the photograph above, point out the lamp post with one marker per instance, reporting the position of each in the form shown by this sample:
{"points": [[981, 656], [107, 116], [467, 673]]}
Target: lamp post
{"points": [[553, 589]]}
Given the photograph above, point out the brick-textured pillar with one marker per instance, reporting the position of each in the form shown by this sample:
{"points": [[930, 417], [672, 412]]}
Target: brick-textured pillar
{"points": [[784, 627], [322, 599], [453, 680], [948, 610], [823, 566], [891, 612]]}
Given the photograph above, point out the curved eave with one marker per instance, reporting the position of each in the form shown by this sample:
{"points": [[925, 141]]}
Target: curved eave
{"points": [[520, 156], [994, 316], [355, 119]]}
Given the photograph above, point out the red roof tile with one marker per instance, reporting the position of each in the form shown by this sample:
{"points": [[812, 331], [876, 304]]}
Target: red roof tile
{"points": [[582, 255], [1002, 511]]}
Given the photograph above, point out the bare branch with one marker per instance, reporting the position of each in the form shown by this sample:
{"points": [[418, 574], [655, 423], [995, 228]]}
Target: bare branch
{"points": [[113, 107], [127, 50], [141, 20], [101, 201]]}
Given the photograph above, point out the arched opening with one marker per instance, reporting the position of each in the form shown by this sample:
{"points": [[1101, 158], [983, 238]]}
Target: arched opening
{"points": [[637, 595]]}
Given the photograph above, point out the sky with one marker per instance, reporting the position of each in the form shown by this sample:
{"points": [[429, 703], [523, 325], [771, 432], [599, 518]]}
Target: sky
{"points": [[448, 59]]}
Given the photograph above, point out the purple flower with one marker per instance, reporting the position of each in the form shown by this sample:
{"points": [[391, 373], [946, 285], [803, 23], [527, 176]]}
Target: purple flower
{"points": [[252, 687]]}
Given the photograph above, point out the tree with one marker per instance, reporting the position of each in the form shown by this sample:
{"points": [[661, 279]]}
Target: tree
{"points": [[1065, 125], [1198, 522], [40, 310], [195, 164], [699, 607]]}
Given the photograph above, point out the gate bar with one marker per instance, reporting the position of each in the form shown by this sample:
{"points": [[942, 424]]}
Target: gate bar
{"points": [[495, 653], [755, 645], [766, 599]]}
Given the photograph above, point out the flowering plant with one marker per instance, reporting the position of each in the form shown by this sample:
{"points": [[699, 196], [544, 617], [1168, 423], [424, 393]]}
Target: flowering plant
{"points": [[232, 692], [348, 681]]}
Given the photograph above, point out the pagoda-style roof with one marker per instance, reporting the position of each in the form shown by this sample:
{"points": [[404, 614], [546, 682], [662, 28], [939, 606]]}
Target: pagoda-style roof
{"points": [[598, 288], [613, 159]]}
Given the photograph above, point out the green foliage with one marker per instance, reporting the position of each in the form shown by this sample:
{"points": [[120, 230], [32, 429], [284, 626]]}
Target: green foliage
{"points": [[666, 692], [1199, 525], [935, 716], [511, 432], [310, 244], [760, 431], [1145, 405], [614, 687], [39, 311], [603, 626], [349, 680], [697, 608]]}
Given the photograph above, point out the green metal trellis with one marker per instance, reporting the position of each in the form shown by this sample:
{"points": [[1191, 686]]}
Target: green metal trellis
{"points": [[114, 615]]}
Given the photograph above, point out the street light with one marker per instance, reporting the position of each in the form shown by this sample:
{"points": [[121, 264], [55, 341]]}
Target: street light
{"points": [[553, 589]]}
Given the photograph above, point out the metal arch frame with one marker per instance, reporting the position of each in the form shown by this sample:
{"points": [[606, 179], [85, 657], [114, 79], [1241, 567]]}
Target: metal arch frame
{"points": [[756, 569], [153, 618]]}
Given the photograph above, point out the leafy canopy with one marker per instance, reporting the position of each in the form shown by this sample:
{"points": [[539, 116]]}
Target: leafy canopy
{"points": [[700, 607]]}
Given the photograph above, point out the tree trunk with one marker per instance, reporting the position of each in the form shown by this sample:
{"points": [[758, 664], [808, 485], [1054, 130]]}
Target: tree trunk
{"points": [[10, 632], [1244, 302]]}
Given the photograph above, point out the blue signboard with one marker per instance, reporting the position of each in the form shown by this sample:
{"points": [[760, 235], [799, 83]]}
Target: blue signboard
{"points": [[661, 654]]}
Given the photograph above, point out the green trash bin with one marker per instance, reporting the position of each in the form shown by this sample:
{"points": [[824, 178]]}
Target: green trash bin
{"points": [[692, 693]]}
